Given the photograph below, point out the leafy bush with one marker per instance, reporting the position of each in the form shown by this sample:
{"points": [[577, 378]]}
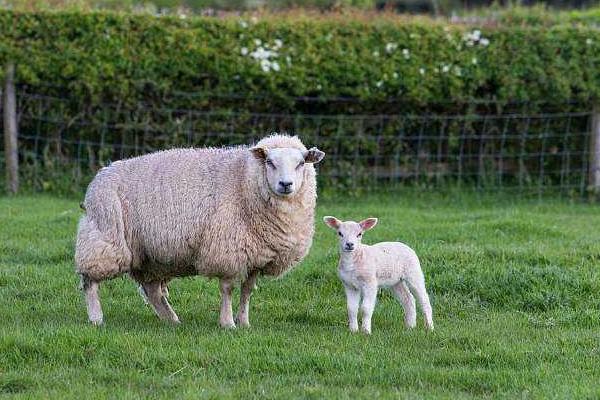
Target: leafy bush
{"points": [[110, 85], [121, 57]]}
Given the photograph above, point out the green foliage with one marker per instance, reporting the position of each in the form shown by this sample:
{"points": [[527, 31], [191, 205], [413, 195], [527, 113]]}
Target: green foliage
{"points": [[513, 286], [101, 56]]}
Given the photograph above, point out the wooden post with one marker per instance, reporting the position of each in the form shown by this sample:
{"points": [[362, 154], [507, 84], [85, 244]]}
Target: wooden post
{"points": [[10, 129], [594, 170]]}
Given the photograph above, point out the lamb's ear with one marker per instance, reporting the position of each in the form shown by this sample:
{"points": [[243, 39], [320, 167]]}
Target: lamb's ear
{"points": [[332, 222], [368, 223], [313, 155], [259, 152]]}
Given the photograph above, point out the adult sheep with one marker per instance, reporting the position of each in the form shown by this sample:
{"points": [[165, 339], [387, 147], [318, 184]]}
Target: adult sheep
{"points": [[230, 213]]}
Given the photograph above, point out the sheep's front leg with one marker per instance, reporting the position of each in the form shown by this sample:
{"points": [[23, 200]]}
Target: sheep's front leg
{"points": [[243, 318], [369, 292], [352, 302], [226, 317]]}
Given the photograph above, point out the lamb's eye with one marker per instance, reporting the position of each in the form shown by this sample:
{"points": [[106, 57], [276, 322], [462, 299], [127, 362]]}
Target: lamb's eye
{"points": [[340, 233], [359, 235], [300, 165], [270, 164]]}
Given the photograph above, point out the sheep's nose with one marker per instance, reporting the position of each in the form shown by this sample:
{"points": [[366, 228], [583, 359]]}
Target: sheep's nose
{"points": [[349, 246], [286, 185]]}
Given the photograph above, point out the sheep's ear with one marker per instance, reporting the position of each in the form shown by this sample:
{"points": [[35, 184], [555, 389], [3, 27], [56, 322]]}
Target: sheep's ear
{"points": [[259, 152], [368, 223], [313, 155], [332, 222]]}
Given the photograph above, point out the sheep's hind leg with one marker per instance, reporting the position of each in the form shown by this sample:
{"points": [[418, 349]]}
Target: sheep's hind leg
{"points": [[407, 300], [94, 309], [155, 296]]}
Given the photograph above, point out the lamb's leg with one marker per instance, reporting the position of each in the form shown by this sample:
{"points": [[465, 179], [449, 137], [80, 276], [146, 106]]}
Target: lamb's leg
{"points": [[243, 318], [352, 302], [416, 284], [407, 300], [155, 297], [369, 295], [226, 317], [94, 309]]}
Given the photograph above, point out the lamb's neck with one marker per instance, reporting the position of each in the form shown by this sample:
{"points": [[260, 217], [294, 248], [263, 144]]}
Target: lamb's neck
{"points": [[349, 259]]}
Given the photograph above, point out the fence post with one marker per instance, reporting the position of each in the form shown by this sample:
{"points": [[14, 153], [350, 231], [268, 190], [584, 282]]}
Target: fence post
{"points": [[10, 129], [594, 169]]}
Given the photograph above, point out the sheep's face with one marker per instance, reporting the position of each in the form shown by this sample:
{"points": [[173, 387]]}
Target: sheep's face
{"points": [[349, 232], [284, 167]]}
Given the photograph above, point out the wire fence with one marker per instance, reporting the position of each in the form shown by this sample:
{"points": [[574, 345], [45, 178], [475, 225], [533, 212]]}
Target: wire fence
{"points": [[63, 143]]}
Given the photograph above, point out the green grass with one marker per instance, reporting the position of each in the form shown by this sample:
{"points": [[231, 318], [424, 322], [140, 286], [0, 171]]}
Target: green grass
{"points": [[515, 288]]}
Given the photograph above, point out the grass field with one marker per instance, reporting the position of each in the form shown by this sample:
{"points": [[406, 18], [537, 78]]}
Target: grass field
{"points": [[515, 288]]}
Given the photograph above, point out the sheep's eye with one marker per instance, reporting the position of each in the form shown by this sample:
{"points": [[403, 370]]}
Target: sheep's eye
{"points": [[360, 234], [300, 165], [340, 233], [270, 164]]}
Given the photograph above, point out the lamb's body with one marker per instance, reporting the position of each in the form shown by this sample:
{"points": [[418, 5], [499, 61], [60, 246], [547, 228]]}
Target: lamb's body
{"points": [[193, 212], [363, 269]]}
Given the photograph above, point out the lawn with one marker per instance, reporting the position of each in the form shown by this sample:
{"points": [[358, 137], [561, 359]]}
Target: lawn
{"points": [[515, 288]]}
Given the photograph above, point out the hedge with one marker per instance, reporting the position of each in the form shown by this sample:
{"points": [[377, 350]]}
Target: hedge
{"points": [[116, 85], [111, 56]]}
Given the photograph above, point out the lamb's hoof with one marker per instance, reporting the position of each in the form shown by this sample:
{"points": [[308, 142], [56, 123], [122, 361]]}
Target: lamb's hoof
{"points": [[96, 322], [353, 329], [366, 331], [242, 323]]}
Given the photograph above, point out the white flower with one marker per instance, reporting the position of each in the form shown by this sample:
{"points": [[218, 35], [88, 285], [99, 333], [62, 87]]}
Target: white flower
{"points": [[379, 84], [244, 51], [253, 19], [589, 41], [182, 16], [422, 71], [275, 66], [257, 42], [406, 53], [390, 47], [241, 36], [375, 53], [319, 87], [413, 35], [474, 61], [278, 43], [395, 75], [457, 71], [445, 68], [470, 43], [265, 65], [288, 60], [243, 24], [262, 54], [484, 42], [476, 35]]}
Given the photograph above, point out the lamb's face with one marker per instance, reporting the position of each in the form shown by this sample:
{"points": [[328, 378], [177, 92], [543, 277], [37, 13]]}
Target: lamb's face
{"points": [[284, 167], [350, 233]]}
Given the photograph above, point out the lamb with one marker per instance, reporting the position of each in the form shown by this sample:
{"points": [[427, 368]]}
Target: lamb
{"points": [[363, 269], [230, 213]]}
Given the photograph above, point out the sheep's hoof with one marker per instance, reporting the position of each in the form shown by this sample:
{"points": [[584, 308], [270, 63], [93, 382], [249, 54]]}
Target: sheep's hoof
{"points": [[96, 322], [228, 325], [366, 331]]}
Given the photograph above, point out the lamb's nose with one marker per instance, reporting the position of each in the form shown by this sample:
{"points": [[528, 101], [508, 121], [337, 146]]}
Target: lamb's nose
{"points": [[349, 246]]}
